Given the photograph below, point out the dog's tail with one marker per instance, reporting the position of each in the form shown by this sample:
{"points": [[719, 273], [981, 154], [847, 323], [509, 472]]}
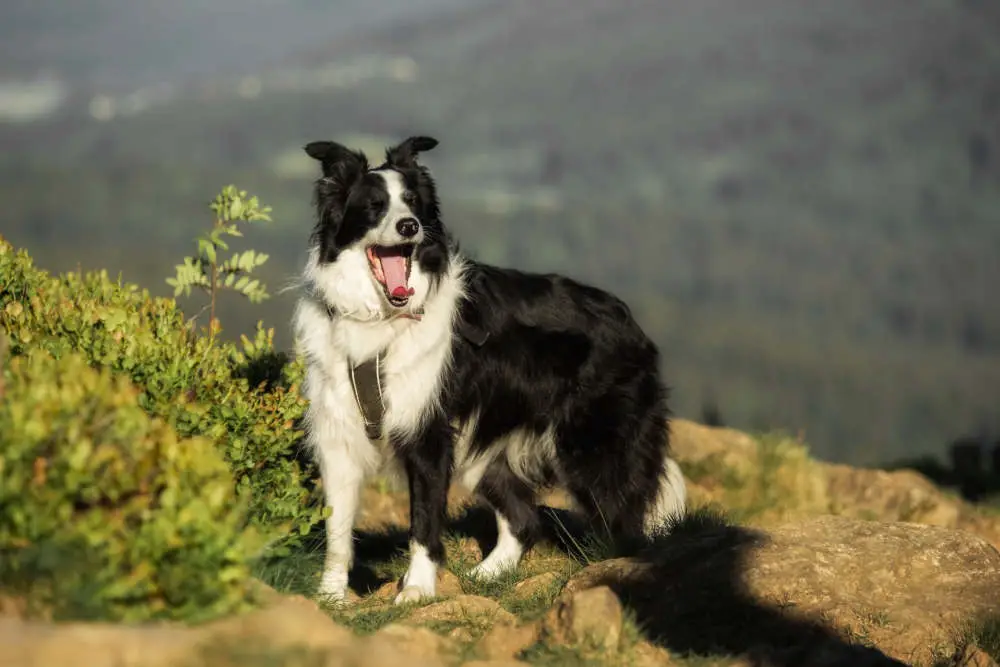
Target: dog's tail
{"points": [[671, 500]]}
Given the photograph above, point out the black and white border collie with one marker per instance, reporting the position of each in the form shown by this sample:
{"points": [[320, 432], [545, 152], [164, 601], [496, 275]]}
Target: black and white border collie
{"points": [[557, 384]]}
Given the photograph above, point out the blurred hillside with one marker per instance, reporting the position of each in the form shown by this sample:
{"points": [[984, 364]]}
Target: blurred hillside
{"points": [[801, 201]]}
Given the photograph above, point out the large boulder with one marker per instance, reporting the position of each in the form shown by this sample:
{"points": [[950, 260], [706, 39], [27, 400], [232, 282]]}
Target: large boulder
{"points": [[823, 589]]}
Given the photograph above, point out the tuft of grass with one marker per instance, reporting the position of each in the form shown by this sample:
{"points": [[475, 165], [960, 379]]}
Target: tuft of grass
{"points": [[496, 588], [471, 629], [878, 618], [296, 572], [712, 470], [368, 616], [779, 481], [984, 633], [549, 655], [587, 545]]}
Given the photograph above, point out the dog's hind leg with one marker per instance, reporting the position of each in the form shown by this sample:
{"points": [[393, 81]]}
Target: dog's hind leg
{"points": [[619, 473], [428, 468], [518, 525]]}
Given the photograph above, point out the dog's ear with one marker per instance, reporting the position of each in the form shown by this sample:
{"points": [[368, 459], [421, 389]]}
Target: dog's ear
{"points": [[405, 154], [337, 160]]}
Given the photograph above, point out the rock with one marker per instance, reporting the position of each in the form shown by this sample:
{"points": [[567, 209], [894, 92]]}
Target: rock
{"points": [[448, 585], [288, 623], [536, 585], [590, 617], [694, 443], [462, 608], [294, 619], [901, 585], [612, 571], [30, 644], [387, 591], [373, 652], [412, 641], [506, 640], [821, 584], [902, 495], [724, 466]]}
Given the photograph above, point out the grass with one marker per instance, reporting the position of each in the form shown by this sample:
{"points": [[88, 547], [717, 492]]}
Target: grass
{"points": [[368, 616], [777, 482], [983, 634], [986, 635]]}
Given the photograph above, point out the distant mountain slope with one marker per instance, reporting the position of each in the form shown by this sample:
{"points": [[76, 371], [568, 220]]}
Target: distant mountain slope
{"points": [[136, 42]]}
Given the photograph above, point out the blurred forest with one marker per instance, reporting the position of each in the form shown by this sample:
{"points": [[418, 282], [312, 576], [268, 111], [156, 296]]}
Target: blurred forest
{"points": [[800, 200]]}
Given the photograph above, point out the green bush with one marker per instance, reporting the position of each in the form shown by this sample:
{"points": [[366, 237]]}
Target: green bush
{"points": [[199, 386], [106, 512]]}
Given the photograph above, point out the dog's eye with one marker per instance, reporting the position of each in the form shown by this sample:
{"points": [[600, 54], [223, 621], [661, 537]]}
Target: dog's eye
{"points": [[409, 198]]}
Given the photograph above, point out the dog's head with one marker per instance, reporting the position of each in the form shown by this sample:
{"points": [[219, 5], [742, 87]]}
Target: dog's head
{"points": [[379, 245]]}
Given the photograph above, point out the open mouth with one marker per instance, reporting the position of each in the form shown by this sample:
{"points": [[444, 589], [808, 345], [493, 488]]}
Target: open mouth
{"points": [[390, 265]]}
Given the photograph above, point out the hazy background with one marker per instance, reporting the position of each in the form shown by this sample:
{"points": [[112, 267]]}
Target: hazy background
{"points": [[800, 198]]}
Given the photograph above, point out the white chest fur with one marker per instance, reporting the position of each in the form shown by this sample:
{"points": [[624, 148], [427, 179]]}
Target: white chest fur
{"points": [[415, 356]]}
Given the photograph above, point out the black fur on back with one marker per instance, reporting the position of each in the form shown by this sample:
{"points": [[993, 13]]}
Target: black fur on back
{"points": [[569, 359]]}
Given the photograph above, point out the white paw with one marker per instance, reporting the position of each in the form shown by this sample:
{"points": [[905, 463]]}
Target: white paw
{"points": [[333, 587], [421, 577], [413, 594], [505, 555], [490, 569]]}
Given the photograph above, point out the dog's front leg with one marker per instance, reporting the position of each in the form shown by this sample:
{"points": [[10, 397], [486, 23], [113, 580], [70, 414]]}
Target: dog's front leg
{"points": [[428, 462], [342, 486]]}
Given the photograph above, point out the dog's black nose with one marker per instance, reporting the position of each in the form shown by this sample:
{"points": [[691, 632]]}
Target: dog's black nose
{"points": [[407, 227]]}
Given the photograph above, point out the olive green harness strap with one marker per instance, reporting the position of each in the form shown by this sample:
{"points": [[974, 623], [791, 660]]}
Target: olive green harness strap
{"points": [[366, 380]]}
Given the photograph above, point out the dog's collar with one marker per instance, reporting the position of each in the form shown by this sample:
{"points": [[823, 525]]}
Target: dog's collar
{"points": [[418, 314], [470, 332]]}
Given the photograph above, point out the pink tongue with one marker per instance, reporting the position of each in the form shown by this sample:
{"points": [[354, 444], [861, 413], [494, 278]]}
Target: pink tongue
{"points": [[394, 270]]}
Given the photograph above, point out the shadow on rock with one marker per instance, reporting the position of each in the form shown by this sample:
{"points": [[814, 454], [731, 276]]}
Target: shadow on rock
{"points": [[686, 591]]}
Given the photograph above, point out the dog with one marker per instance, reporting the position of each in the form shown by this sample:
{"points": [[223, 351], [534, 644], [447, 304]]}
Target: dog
{"points": [[419, 357]]}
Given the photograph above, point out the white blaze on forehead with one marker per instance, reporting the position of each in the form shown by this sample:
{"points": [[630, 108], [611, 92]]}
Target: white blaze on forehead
{"points": [[395, 187]]}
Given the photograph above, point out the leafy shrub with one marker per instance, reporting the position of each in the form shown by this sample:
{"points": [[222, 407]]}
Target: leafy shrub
{"points": [[107, 513], [198, 385]]}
